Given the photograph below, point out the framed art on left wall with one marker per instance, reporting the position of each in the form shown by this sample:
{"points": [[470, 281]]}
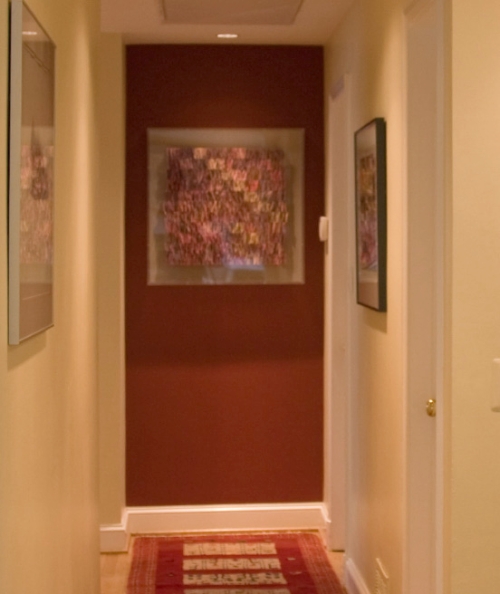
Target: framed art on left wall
{"points": [[31, 175]]}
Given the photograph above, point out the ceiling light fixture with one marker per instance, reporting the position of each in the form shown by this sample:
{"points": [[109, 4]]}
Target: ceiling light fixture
{"points": [[227, 35], [30, 33]]}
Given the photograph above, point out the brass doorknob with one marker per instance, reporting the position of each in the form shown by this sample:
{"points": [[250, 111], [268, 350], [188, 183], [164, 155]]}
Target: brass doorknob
{"points": [[431, 407]]}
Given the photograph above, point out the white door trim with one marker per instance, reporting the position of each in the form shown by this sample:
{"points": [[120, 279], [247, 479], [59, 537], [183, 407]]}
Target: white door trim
{"points": [[354, 582], [425, 549], [338, 310]]}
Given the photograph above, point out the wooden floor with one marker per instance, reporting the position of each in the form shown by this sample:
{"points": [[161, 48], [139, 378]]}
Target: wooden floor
{"points": [[115, 568], [114, 571]]}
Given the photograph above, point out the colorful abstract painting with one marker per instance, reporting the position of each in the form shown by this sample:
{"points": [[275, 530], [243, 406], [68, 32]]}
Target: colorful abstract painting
{"points": [[367, 214], [225, 206], [371, 225], [37, 165]]}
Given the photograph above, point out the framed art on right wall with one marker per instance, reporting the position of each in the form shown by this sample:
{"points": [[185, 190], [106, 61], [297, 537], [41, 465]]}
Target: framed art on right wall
{"points": [[371, 215]]}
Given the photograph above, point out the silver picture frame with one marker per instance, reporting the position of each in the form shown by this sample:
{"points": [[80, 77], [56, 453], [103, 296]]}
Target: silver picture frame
{"points": [[31, 175], [225, 206]]}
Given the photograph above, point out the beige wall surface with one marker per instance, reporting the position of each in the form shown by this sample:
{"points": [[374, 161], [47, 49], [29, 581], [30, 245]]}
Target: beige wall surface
{"points": [[368, 46], [475, 297], [110, 275], [48, 384]]}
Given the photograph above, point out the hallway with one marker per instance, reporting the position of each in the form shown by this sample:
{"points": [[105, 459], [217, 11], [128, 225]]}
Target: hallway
{"points": [[63, 442]]}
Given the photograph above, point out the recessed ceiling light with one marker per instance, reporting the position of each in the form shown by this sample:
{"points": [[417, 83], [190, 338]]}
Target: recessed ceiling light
{"points": [[227, 35]]}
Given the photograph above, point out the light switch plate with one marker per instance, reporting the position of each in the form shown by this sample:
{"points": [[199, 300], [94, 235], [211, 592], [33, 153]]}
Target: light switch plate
{"points": [[323, 228], [495, 386]]}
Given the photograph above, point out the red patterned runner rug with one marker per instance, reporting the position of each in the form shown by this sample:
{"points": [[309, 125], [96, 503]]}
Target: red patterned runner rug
{"points": [[283, 563]]}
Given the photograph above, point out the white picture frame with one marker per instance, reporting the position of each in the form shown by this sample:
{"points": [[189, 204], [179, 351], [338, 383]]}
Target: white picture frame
{"points": [[252, 149]]}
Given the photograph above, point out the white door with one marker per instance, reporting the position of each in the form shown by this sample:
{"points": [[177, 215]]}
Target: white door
{"points": [[424, 296]]}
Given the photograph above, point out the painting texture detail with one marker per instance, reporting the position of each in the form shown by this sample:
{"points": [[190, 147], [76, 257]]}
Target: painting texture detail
{"points": [[225, 206], [36, 202], [367, 214]]}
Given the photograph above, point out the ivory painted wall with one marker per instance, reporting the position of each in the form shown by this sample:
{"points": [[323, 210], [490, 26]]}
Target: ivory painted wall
{"points": [[110, 274], [48, 384], [474, 487], [368, 45]]}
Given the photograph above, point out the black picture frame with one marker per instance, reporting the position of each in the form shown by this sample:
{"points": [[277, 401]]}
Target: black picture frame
{"points": [[371, 215], [229, 160]]}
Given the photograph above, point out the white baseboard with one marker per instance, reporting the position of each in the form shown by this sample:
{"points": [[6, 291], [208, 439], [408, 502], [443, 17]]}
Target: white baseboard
{"points": [[114, 538], [219, 518], [354, 582]]}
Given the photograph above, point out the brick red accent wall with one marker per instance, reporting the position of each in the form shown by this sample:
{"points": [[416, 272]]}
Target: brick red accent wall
{"points": [[224, 383]]}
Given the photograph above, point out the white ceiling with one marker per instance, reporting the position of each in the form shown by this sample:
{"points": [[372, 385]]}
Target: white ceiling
{"points": [[294, 22], [216, 12]]}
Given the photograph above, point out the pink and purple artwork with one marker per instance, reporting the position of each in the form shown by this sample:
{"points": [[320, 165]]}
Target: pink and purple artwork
{"points": [[367, 214], [36, 203], [225, 207]]}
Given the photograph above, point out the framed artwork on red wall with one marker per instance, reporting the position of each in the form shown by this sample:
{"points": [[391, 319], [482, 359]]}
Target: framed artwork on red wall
{"points": [[225, 206]]}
